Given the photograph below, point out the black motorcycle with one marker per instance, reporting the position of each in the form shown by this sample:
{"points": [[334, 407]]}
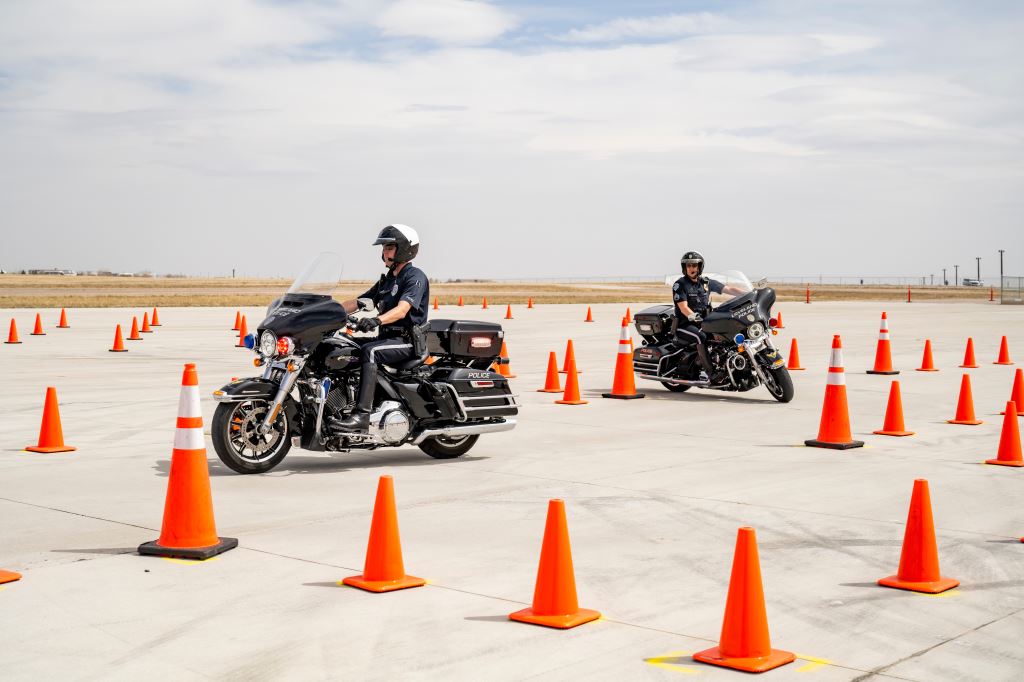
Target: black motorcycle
{"points": [[740, 348], [311, 368]]}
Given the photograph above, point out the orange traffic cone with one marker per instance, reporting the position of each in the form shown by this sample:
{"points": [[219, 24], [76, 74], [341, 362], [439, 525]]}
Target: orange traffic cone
{"points": [[893, 424], [508, 312], [969, 361], [927, 363], [504, 366], [460, 301], [435, 303], [570, 358], [134, 336], [1004, 354], [778, 321], [883, 355], [623, 382], [118, 342], [794, 357], [590, 316], [919, 560], [238, 321], [145, 323], [745, 644], [12, 336], [807, 295], [629, 315], [965, 405], [485, 303], [834, 430], [572, 386], [8, 576], [908, 295], [529, 303], [383, 570], [38, 331], [551, 382], [1009, 453], [554, 596], [242, 333], [1017, 392], [63, 324], [51, 436], [188, 529], [625, 321], [154, 320]]}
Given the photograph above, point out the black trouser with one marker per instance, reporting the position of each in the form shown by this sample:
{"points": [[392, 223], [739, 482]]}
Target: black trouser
{"points": [[390, 352], [689, 332]]}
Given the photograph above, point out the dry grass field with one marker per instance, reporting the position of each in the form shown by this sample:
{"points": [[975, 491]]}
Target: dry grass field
{"points": [[55, 291]]}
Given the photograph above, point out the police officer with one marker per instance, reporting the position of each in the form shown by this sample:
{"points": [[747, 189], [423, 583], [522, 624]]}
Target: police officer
{"points": [[401, 297], [692, 296]]}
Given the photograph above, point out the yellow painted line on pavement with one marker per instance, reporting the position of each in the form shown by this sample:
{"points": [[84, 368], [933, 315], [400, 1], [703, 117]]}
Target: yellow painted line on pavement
{"points": [[813, 663], [671, 661]]}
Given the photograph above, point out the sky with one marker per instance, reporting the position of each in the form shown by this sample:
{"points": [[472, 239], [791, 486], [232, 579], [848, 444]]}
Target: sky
{"points": [[521, 139]]}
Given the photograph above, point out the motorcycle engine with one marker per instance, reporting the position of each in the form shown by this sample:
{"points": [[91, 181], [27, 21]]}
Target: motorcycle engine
{"points": [[389, 423]]}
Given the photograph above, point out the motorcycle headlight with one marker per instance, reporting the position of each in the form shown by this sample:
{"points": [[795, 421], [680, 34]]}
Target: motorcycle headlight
{"points": [[268, 344], [755, 331]]}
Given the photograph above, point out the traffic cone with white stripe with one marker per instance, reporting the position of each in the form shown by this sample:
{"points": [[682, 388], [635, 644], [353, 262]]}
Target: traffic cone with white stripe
{"points": [[883, 352], [623, 384], [188, 529], [834, 430]]}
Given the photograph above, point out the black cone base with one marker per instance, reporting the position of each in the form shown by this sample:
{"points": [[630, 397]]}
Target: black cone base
{"points": [[200, 553], [834, 446]]}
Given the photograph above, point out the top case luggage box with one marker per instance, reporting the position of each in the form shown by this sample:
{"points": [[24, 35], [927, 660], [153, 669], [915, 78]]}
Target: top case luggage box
{"points": [[464, 338], [654, 320]]}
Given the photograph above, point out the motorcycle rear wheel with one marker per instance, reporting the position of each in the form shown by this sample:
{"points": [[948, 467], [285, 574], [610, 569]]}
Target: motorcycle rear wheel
{"points": [[238, 442], [448, 447]]}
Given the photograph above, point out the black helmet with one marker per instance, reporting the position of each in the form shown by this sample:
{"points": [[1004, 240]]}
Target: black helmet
{"points": [[405, 239], [692, 257]]}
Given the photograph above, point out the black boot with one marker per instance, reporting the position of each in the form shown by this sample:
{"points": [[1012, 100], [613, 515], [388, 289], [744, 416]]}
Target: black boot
{"points": [[705, 362], [359, 420]]}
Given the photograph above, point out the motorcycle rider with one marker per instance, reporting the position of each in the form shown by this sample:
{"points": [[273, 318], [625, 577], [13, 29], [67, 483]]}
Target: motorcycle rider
{"points": [[401, 297], [692, 296]]}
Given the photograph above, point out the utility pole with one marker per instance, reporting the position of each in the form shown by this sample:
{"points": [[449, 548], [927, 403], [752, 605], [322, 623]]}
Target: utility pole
{"points": [[945, 282], [1001, 275], [978, 258], [932, 280], [956, 275]]}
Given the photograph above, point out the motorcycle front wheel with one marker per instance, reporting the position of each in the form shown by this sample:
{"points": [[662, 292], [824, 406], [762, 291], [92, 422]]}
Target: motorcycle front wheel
{"points": [[238, 442], [448, 447], [780, 384]]}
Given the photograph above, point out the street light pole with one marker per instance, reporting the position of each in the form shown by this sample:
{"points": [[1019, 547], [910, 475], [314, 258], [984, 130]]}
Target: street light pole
{"points": [[945, 282], [956, 275], [1001, 299], [978, 259]]}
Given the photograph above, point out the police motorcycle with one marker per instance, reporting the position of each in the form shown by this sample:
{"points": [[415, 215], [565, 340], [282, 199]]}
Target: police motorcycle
{"points": [[739, 342], [311, 367]]}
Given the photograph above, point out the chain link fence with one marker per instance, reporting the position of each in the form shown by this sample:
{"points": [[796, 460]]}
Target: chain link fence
{"points": [[1012, 291]]}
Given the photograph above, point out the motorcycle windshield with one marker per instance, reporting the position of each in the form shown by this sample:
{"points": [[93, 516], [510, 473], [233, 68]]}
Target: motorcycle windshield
{"points": [[321, 277], [732, 278]]}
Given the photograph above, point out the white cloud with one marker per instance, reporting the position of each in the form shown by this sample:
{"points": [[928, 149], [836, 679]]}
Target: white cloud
{"points": [[629, 29], [451, 22]]}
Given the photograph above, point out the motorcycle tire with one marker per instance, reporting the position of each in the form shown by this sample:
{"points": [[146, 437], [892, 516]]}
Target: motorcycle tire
{"points": [[676, 388], [784, 382], [233, 429], [446, 447]]}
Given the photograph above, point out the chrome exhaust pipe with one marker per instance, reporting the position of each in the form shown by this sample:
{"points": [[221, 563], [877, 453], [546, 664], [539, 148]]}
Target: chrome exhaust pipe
{"points": [[675, 382], [466, 430]]}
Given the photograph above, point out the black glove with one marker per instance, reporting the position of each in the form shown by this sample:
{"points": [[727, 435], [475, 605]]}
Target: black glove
{"points": [[696, 318], [366, 324]]}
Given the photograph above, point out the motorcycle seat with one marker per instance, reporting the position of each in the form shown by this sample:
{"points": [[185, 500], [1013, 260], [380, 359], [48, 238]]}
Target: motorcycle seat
{"points": [[410, 364]]}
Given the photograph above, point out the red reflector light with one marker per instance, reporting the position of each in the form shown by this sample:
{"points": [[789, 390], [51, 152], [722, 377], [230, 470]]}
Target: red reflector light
{"points": [[772, 322], [482, 384], [480, 342], [285, 346]]}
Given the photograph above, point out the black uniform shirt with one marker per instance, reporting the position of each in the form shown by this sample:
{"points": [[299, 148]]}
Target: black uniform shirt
{"points": [[411, 285], [696, 294]]}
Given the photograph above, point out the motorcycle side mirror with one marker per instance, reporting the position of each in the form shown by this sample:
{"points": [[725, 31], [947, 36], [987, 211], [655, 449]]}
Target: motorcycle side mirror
{"points": [[364, 303], [761, 283]]}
